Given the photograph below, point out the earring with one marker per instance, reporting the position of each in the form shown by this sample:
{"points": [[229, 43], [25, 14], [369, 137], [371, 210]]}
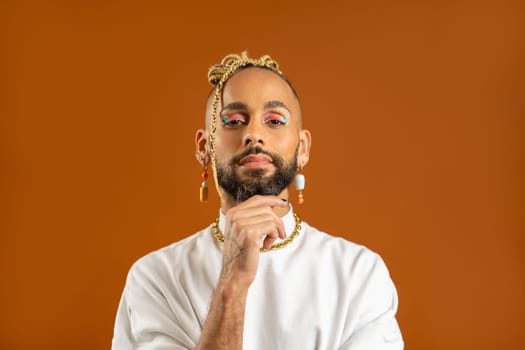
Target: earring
{"points": [[203, 194], [299, 186]]}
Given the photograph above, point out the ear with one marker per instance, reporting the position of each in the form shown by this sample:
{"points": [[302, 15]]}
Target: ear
{"points": [[201, 146], [305, 141]]}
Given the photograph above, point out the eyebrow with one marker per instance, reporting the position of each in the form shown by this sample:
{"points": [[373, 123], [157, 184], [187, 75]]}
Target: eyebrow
{"points": [[235, 105], [275, 104]]}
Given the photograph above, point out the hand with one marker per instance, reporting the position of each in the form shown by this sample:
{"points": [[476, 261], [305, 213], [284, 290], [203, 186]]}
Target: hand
{"points": [[246, 225]]}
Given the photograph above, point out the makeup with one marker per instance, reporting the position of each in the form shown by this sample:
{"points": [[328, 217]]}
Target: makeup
{"points": [[274, 118], [225, 119]]}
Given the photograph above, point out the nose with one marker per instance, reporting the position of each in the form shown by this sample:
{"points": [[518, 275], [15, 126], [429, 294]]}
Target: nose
{"points": [[254, 135]]}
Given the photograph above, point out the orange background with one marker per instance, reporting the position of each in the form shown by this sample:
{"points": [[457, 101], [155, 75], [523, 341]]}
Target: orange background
{"points": [[417, 115]]}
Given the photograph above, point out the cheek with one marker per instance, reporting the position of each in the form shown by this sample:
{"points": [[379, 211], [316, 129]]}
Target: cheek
{"points": [[225, 141], [284, 142]]}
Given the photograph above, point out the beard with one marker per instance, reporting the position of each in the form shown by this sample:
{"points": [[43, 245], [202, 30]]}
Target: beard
{"points": [[258, 182]]}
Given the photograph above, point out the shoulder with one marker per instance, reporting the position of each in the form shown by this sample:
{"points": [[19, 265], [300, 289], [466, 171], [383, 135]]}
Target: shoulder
{"points": [[342, 255], [339, 246], [166, 260], [157, 304]]}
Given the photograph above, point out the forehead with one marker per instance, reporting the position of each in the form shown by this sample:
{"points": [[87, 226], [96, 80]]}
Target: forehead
{"points": [[255, 86]]}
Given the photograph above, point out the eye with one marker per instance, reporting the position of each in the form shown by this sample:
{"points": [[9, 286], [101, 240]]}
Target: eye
{"points": [[275, 119], [232, 121]]}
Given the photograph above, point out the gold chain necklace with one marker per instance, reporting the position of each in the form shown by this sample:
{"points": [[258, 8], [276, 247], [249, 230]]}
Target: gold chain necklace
{"points": [[218, 234]]}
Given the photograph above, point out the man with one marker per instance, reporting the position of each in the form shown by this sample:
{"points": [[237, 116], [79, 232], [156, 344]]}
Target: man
{"points": [[258, 278]]}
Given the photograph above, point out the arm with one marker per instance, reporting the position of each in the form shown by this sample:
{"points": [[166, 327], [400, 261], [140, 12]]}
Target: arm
{"points": [[224, 324], [374, 322], [246, 225]]}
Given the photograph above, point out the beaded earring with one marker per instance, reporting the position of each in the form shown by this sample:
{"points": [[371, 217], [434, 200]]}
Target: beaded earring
{"points": [[203, 194], [299, 186]]}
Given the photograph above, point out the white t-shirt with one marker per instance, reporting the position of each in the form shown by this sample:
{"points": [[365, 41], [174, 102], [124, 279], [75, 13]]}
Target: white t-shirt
{"points": [[319, 292]]}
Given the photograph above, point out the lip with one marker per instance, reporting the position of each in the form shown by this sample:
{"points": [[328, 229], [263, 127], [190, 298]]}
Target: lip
{"points": [[255, 160]]}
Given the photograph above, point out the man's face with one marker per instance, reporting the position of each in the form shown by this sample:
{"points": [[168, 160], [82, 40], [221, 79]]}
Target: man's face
{"points": [[257, 137]]}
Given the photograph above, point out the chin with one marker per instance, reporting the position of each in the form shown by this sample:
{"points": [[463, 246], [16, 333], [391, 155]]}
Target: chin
{"points": [[257, 173]]}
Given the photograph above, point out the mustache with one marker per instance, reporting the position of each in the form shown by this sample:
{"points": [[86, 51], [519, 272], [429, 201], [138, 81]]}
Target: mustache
{"points": [[255, 150]]}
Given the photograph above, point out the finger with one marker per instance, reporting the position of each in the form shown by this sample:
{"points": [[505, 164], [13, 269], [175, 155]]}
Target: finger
{"points": [[251, 217], [257, 229], [252, 236], [268, 241]]}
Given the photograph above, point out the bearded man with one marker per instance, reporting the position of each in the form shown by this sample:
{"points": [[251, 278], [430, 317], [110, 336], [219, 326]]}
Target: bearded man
{"points": [[259, 277]]}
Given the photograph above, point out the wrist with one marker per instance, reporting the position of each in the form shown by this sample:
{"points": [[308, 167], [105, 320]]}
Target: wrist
{"points": [[232, 289]]}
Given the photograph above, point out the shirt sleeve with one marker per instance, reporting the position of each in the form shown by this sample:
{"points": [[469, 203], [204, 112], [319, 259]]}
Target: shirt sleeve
{"points": [[147, 317], [373, 325], [122, 332]]}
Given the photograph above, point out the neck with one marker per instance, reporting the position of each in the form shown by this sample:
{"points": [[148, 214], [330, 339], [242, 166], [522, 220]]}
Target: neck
{"points": [[228, 202]]}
